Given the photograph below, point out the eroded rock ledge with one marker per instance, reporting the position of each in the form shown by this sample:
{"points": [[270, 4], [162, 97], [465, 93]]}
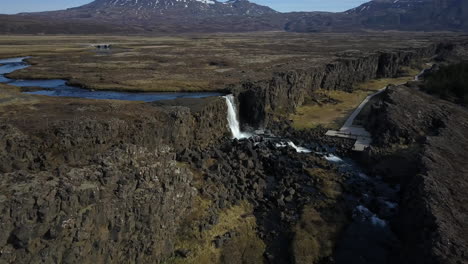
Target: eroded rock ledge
{"points": [[285, 91], [62, 131]]}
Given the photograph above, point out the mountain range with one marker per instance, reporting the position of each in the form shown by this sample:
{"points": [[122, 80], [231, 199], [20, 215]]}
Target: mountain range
{"points": [[174, 16], [412, 15]]}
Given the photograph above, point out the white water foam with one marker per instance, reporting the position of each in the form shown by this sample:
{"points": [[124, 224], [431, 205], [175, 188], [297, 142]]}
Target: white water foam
{"points": [[292, 145], [298, 148], [333, 158], [366, 214], [233, 119]]}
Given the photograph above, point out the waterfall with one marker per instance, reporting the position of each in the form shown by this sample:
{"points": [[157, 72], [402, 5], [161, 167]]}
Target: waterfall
{"points": [[233, 120]]}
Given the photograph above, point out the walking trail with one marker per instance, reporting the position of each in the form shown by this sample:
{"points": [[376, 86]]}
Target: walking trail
{"points": [[360, 134]]}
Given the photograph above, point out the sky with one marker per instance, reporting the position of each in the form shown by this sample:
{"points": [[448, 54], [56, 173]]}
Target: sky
{"points": [[17, 6]]}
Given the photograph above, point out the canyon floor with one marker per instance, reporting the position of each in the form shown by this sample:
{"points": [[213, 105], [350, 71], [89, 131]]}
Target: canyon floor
{"points": [[107, 181]]}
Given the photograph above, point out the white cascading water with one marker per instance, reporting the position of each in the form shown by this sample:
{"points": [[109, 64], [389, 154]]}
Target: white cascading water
{"points": [[294, 146], [298, 148], [234, 125], [233, 120]]}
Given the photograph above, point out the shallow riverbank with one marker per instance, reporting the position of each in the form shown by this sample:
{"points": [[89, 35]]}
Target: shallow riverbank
{"points": [[62, 88]]}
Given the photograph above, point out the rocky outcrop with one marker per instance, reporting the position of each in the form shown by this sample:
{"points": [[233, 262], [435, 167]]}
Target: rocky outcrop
{"points": [[278, 182], [98, 182], [123, 208], [421, 142], [285, 91], [73, 137]]}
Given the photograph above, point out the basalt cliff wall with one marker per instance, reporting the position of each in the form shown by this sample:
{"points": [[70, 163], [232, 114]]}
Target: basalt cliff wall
{"points": [[72, 132], [124, 207], [98, 182], [287, 90]]}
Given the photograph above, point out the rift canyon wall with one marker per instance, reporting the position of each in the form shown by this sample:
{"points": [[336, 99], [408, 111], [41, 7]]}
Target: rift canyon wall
{"points": [[287, 90], [99, 184]]}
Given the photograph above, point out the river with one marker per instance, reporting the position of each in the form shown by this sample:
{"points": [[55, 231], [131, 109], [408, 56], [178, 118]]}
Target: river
{"points": [[60, 88]]}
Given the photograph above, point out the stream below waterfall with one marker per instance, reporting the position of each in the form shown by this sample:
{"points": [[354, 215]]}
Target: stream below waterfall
{"points": [[374, 203], [60, 88]]}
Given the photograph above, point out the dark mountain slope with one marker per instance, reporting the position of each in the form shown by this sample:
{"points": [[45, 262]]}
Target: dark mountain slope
{"points": [[143, 16], [146, 11], [413, 14], [176, 16], [421, 15]]}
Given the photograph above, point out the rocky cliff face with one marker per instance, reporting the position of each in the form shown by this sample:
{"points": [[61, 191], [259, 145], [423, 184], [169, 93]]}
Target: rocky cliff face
{"points": [[73, 137], [421, 143], [79, 186], [123, 208], [285, 91]]}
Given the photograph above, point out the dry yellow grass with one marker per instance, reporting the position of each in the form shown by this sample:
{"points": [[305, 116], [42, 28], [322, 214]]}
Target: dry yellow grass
{"points": [[10, 95], [327, 182], [318, 229], [334, 115], [185, 62], [201, 245]]}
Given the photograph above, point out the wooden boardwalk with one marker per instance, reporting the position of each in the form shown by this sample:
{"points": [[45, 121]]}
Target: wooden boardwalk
{"points": [[348, 130]]}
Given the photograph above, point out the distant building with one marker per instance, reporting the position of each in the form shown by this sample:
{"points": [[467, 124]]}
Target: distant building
{"points": [[102, 46]]}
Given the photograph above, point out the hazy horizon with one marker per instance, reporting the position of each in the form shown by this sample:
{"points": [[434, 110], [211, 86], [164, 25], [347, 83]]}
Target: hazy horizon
{"points": [[20, 6]]}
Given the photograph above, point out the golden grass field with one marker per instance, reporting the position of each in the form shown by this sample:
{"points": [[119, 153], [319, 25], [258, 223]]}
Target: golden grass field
{"points": [[187, 62], [208, 62]]}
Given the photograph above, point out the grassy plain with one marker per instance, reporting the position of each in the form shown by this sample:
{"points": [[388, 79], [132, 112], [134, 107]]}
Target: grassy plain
{"points": [[202, 62], [10, 95]]}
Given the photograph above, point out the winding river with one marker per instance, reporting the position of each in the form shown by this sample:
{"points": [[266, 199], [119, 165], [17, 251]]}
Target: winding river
{"points": [[57, 87]]}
